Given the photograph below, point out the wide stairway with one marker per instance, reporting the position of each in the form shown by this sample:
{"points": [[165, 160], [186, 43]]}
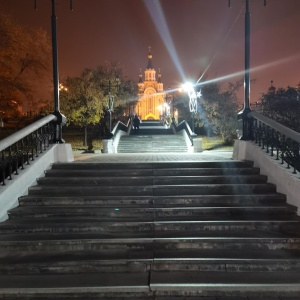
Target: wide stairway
{"points": [[152, 137], [157, 230]]}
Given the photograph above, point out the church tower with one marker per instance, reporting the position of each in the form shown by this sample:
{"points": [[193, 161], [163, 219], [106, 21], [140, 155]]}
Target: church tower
{"points": [[151, 93]]}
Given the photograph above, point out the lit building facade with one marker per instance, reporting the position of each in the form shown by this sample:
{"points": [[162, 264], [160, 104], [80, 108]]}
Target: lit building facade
{"points": [[151, 96]]}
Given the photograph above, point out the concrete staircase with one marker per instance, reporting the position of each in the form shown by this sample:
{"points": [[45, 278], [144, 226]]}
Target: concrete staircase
{"points": [[152, 137], [140, 143], [164, 230]]}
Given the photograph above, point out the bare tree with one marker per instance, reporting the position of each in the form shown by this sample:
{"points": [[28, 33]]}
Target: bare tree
{"points": [[25, 56]]}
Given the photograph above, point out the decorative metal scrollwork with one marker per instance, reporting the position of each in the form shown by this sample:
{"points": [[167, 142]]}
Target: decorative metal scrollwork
{"points": [[16, 156], [285, 148]]}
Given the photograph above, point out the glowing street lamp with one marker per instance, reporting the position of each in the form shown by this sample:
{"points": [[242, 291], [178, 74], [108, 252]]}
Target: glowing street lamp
{"points": [[189, 88]]}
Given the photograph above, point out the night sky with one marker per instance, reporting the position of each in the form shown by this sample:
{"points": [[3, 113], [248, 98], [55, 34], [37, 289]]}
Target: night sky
{"points": [[186, 36]]}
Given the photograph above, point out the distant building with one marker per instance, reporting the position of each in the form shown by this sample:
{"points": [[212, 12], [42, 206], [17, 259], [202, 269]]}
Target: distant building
{"points": [[257, 106], [272, 88], [151, 96]]}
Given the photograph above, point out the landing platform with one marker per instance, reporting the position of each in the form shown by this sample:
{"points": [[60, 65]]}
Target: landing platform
{"points": [[80, 156]]}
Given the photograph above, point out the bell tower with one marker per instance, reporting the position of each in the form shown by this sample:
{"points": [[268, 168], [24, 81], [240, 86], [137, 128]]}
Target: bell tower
{"points": [[151, 94]]}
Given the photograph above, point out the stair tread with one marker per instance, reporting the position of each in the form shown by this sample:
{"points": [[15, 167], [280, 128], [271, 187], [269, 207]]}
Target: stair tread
{"points": [[158, 256], [150, 201], [140, 221], [152, 165], [132, 280], [149, 237], [156, 208], [260, 278], [158, 279]]}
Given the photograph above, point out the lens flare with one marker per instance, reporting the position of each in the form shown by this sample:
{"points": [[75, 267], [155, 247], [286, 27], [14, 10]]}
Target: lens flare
{"points": [[156, 12], [252, 70]]}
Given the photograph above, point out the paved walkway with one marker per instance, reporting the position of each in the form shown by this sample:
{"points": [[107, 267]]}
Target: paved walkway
{"points": [[80, 156]]}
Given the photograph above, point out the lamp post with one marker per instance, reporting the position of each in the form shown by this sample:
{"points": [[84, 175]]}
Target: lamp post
{"points": [[243, 115], [61, 119], [189, 88], [110, 104], [171, 96], [176, 116]]}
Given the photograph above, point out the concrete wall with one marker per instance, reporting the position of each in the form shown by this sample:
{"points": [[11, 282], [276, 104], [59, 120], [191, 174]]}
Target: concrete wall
{"points": [[286, 182], [10, 193]]}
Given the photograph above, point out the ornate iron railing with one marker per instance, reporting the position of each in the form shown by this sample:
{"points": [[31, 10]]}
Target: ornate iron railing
{"points": [[22, 147], [277, 140]]}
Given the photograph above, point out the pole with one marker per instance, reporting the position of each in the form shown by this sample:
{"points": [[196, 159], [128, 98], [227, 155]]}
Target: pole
{"points": [[61, 119], [109, 103], [243, 115], [193, 125], [55, 59], [247, 57]]}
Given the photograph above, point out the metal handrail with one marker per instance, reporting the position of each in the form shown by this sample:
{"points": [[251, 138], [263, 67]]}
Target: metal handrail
{"points": [[274, 137], [185, 126], [278, 127], [24, 145], [22, 133], [121, 126]]}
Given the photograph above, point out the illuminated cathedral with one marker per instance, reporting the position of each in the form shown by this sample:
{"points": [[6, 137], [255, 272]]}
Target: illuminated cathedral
{"points": [[151, 96]]}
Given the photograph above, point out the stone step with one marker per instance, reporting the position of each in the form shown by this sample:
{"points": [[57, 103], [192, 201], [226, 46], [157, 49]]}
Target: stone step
{"points": [[153, 131], [91, 262], [141, 224], [151, 123], [153, 146], [213, 189], [149, 139], [156, 190], [151, 150], [140, 141], [155, 172], [160, 144], [134, 241], [156, 228], [153, 213], [108, 201], [74, 285], [146, 135], [153, 165], [155, 201], [151, 180], [152, 284], [86, 266], [227, 284]]}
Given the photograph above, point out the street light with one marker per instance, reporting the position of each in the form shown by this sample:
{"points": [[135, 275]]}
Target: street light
{"points": [[243, 115], [171, 96], [189, 88], [61, 119]]}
